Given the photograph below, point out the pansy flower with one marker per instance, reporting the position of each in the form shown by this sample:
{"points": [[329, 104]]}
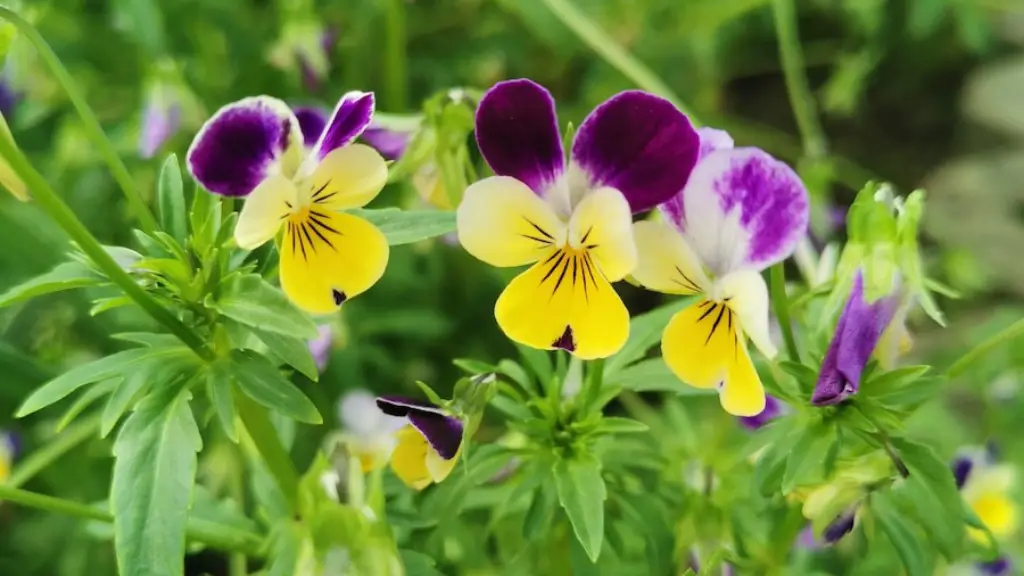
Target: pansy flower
{"points": [[254, 148], [367, 432], [986, 488], [740, 212], [427, 446], [8, 452], [570, 221], [858, 332]]}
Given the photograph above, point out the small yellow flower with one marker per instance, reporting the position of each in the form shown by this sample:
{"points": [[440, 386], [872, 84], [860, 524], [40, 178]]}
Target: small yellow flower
{"points": [[428, 446]]}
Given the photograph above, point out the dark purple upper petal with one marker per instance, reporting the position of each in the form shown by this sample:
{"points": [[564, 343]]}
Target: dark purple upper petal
{"points": [[841, 526], [857, 333], [390, 143], [962, 467], [312, 121], [8, 98], [236, 148], [444, 433], [772, 410], [401, 406], [350, 117], [517, 133], [639, 144], [999, 567]]}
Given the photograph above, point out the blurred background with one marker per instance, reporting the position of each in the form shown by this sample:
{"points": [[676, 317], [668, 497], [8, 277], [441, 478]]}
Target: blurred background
{"points": [[921, 93]]}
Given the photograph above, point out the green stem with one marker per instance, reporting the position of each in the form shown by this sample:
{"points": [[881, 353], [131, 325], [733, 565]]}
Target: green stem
{"points": [[595, 379], [265, 440], [220, 537], [793, 66], [1005, 335], [75, 434], [238, 565], [62, 214], [92, 126], [395, 77], [780, 302]]}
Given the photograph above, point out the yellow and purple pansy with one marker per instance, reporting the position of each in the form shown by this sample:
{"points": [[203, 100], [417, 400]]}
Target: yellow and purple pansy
{"points": [[571, 221], [8, 452], [256, 148], [367, 432], [986, 487], [740, 212], [428, 445], [858, 333]]}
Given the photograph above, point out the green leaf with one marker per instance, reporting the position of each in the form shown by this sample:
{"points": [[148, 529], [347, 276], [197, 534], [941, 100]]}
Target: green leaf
{"points": [[418, 564], [154, 372], [289, 546], [538, 520], [644, 332], [539, 361], [432, 396], [220, 388], [151, 339], [253, 302], [805, 376], [653, 375], [85, 400], [291, 351], [931, 492], [581, 492], [807, 455], [771, 465], [102, 369], [171, 198], [904, 539], [260, 380], [207, 510], [154, 471], [65, 276], [473, 367], [617, 425], [518, 375], [408, 226], [204, 218]]}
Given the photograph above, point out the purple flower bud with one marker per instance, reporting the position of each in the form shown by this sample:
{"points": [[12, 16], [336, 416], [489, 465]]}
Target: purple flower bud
{"points": [[8, 98], [161, 118], [320, 347], [999, 567], [962, 470], [390, 143], [841, 526], [772, 410]]}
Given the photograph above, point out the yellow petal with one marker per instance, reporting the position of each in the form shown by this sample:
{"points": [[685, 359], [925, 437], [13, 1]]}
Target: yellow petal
{"points": [[603, 224], [349, 177], [564, 301], [704, 346], [409, 460], [997, 512], [264, 211], [666, 263], [502, 222], [430, 186], [438, 467], [748, 299], [329, 257]]}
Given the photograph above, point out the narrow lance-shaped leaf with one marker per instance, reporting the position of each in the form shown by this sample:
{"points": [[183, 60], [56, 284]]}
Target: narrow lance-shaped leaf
{"points": [[171, 197], [260, 380], [581, 492], [253, 302], [65, 276], [154, 471], [408, 226]]}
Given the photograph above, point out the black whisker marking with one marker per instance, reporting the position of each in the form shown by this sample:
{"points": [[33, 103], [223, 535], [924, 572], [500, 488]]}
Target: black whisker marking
{"points": [[583, 275], [565, 268], [312, 226], [552, 257], [593, 280], [574, 264], [715, 325], [324, 198], [729, 312], [321, 189], [302, 244], [703, 303], [315, 216], [707, 312], [554, 266], [586, 235], [535, 239], [539, 229], [308, 237]]}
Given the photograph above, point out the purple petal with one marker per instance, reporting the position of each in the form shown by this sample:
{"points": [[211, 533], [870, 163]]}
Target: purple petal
{"points": [[962, 467], [806, 540], [10, 444], [711, 139], [160, 121], [312, 120], [8, 98], [517, 133], [744, 209], [320, 347], [639, 144], [841, 526], [390, 143], [401, 406], [237, 147], [444, 433], [999, 567], [772, 410], [351, 116], [857, 333]]}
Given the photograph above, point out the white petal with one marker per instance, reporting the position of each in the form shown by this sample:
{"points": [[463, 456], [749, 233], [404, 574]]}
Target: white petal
{"points": [[747, 296]]}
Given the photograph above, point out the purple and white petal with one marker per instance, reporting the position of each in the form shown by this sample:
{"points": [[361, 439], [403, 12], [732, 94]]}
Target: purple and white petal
{"points": [[351, 116], [744, 209], [858, 331], [312, 121], [773, 408], [390, 143], [1001, 566], [517, 133], [712, 140], [639, 144], [243, 143], [962, 466], [443, 433], [402, 406]]}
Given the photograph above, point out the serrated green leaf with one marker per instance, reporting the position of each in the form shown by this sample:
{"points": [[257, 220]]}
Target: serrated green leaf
{"points": [[108, 367], [805, 376], [581, 492], [85, 400], [408, 226], [473, 367], [804, 464], [931, 492], [253, 302], [64, 276], [539, 361], [904, 538], [771, 464], [220, 388], [291, 351], [154, 471], [644, 332], [204, 220], [432, 396], [653, 375], [518, 375], [153, 372], [539, 516], [418, 564], [151, 339], [102, 305], [617, 425], [260, 380], [208, 510], [289, 546]]}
